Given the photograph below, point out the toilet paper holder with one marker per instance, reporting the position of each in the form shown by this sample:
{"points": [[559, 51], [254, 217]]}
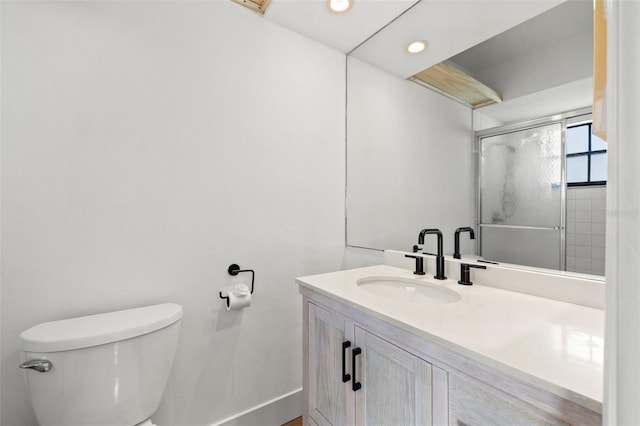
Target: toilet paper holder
{"points": [[234, 270]]}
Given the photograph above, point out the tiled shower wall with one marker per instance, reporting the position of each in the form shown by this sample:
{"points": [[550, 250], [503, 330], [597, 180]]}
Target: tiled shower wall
{"points": [[586, 229]]}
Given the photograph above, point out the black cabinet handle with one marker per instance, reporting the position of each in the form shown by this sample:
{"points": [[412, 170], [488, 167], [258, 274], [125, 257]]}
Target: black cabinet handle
{"points": [[345, 377], [356, 385]]}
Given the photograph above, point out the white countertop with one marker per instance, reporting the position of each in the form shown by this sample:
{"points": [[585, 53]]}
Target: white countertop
{"points": [[555, 345]]}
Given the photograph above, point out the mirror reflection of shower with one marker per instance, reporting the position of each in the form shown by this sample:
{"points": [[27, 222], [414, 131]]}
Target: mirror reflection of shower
{"points": [[541, 194]]}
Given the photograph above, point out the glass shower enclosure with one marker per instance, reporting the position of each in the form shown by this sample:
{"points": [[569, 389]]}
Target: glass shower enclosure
{"points": [[521, 186]]}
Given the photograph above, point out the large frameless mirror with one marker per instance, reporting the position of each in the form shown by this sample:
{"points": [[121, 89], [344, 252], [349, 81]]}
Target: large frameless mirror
{"points": [[416, 158]]}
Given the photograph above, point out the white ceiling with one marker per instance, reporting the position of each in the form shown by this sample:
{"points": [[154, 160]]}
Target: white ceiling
{"points": [[449, 26], [551, 49], [567, 20], [543, 66], [567, 97], [536, 52], [342, 31]]}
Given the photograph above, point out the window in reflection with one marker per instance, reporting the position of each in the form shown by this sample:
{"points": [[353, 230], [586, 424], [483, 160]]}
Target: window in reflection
{"points": [[586, 156]]}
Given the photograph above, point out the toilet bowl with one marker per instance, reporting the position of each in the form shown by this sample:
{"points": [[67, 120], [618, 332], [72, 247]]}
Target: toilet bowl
{"points": [[101, 370]]}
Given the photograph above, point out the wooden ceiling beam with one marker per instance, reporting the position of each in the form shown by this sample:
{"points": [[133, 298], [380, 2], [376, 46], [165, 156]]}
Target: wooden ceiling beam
{"points": [[259, 6], [459, 85]]}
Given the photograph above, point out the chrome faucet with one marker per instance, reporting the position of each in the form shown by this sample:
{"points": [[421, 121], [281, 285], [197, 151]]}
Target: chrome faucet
{"points": [[439, 257], [456, 240]]}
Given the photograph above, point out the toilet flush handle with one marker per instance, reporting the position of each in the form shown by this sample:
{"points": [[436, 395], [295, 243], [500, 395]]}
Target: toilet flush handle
{"points": [[41, 365]]}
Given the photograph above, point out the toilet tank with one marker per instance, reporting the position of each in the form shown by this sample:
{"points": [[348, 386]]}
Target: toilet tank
{"points": [[107, 369]]}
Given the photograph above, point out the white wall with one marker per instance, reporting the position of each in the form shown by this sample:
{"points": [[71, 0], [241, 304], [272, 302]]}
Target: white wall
{"points": [[483, 121], [145, 147], [409, 162], [622, 349]]}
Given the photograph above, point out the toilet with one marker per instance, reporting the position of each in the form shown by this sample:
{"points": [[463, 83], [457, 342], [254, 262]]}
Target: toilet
{"points": [[108, 369]]}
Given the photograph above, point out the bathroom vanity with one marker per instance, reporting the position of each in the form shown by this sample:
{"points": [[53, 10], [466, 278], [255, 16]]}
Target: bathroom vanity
{"points": [[384, 347]]}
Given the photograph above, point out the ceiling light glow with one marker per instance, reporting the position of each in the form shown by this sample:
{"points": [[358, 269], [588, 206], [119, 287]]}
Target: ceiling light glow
{"points": [[417, 46], [339, 6]]}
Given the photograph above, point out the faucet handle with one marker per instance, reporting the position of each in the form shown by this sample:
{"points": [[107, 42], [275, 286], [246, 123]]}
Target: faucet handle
{"points": [[417, 249], [419, 264], [465, 272]]}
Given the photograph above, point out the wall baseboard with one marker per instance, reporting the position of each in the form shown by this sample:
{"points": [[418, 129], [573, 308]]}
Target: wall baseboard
{"points": [[275, 412]]}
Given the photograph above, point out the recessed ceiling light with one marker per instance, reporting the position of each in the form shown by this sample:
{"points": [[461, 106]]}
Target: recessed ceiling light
{"points": [[339, 6], [417, 46]]}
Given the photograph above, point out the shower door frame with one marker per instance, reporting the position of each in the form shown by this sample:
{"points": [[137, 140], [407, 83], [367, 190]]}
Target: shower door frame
{"points": [[517, 127]]}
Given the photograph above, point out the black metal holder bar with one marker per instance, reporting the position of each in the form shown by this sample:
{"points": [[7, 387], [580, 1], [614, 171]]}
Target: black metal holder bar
{"points": [[356, 385], [345, 376], [234, 270]]}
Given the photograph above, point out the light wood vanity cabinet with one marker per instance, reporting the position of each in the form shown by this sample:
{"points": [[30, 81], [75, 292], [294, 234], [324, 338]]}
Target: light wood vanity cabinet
{"points": [[407, 380], [473, 403], [330, 400], [387, 386], [396, 385]]}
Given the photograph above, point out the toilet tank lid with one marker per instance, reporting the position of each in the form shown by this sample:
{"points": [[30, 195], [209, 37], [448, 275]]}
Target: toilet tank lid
{"points": [[94, 330]]}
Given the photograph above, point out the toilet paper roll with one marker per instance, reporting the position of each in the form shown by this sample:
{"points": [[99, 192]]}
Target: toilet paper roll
{"points": [[239, 297]]}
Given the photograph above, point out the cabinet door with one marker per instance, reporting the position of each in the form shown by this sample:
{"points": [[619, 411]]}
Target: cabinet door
{"points": [[330, 399], [474, 403], [396, 385]]}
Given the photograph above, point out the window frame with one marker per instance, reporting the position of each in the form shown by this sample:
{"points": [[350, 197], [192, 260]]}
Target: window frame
{"points": [[587, 154]]}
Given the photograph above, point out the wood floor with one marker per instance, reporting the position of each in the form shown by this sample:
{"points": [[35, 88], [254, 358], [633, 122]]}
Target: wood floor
{"points": [[294, 422]]}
